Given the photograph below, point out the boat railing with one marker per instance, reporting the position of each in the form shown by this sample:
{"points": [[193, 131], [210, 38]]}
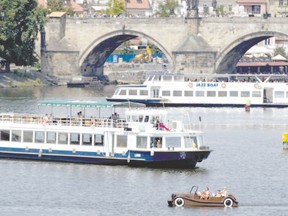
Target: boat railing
{"points": [[63, 121]]}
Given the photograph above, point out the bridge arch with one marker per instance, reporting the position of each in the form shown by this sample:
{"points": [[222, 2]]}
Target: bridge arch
{"points": [[95, 55], [227, 60]]}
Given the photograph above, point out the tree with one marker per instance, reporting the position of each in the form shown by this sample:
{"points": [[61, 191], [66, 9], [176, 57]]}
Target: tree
{"points": [[20, 23], [220, 11], [60, 5], [167, 8], [116, 7], [280, 51]]}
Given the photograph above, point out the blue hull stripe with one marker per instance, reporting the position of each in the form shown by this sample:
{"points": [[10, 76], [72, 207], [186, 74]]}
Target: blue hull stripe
{"points": [[133, 158], [158, 103]]}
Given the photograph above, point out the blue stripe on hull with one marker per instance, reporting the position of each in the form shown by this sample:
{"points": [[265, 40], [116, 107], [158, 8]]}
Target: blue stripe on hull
{"points": [[169, 159], [158, 103], [160, 159]]}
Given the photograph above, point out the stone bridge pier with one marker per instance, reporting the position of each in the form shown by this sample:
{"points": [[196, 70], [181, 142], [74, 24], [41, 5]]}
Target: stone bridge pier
{"points": [[79, 47]]}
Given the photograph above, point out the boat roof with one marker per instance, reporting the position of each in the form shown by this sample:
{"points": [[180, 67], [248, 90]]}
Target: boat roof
{"points": [[87, 104]]}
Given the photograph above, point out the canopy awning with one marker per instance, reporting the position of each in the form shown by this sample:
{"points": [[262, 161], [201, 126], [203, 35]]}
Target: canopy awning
{"points": [[87, 104]]}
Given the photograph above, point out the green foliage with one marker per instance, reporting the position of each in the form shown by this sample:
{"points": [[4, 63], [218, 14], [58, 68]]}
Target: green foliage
{"points": [[58, 5], [167, 8], [116, 7], [20, 23], [280, 51], [220, 11]]}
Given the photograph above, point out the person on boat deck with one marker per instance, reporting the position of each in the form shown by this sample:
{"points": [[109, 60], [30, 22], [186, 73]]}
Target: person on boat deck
{"points": [[158, 144], [157, 123], [79, 114], [45, 119], [115, 116], [205, 194]]}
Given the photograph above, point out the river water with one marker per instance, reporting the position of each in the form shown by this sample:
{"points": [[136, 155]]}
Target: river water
{"points": [[247, 158]]}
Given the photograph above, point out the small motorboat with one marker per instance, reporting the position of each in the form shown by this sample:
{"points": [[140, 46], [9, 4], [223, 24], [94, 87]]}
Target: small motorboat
{"points": [[195, 198]]}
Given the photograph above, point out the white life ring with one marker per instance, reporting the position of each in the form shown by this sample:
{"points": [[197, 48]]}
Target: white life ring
{"points": [[190, 85], [223, 85], [179, 202], [228, 202]]}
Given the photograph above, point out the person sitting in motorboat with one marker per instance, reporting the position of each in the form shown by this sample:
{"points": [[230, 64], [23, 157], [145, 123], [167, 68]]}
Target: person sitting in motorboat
{"points": [[222, 193], [205, 194]]}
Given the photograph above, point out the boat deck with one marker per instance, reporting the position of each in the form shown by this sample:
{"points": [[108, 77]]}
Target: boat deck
{"points": [[63, 121]]}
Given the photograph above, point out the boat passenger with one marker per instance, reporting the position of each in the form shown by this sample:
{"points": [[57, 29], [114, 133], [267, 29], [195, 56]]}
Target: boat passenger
{"points": [[45, 119], [158, 144], [162, 126], [157, 123], [205, 194]]}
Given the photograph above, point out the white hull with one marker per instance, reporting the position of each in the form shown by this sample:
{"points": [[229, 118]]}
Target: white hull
{"points": [[130, 141], [178, 90]]}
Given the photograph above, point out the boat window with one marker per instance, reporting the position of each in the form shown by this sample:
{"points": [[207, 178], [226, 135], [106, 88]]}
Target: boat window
{"points": [[200, 93], [122, 141], [156, 142], [5, 135], [63, 138], [141, 142], [178, 78], [211, 93], [233, 93], [173, 142], [222, 93], [256, 94], [86, 139], [190, 141], [287, 94], [98, 139], [16, 135], [39, 136], [74, 138], [245, 94], [177, 93], [51, 137], [122, 92], [135, 118], [188, 93], [28, 136], [166, 93], [167, 78], [144, 92], [140, 118], [279, 94], [157, 78], [150, 78], [146, 119], [132, 92]]}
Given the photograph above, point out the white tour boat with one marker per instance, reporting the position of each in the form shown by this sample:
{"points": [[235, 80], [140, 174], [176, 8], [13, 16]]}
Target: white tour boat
{"points": [[233, 90], [144, 137]]}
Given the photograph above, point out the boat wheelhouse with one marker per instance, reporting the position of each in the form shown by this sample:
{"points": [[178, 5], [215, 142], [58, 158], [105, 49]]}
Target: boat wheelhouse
{"points": [[233, 90], [141, 137]]}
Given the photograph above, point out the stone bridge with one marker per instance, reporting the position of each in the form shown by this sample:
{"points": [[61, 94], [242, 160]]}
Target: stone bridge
{"points": [[75, 47]]}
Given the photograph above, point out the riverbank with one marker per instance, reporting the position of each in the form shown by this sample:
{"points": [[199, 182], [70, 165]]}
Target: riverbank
{"points": [[23, 78]]}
